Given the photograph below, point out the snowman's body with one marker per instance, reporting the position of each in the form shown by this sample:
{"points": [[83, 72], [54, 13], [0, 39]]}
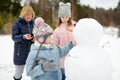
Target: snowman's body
{"points": [[87, 61]]}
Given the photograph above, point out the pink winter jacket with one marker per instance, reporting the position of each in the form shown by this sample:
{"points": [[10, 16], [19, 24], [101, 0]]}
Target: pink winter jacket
{"points": [[61, 37]]}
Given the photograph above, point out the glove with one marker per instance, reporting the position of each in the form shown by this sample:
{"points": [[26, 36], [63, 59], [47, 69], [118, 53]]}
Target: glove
{"points": [[50, 66], [41, 61]]}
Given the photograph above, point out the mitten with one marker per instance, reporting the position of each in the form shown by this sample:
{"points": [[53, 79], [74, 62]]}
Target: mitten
{"points": [[41, 61], [50, 66]]}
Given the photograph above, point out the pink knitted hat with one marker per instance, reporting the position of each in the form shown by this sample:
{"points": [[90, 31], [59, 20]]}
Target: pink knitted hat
{"points": [[41, 30], [39, 20]]}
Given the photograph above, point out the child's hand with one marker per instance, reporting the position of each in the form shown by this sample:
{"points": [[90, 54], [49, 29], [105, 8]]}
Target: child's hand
{"points": [[50, 66], [74, 43]]}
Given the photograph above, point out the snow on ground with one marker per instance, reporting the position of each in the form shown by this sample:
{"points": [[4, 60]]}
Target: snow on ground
{"points": [[6, 59], [6, 53], [110, 34]]}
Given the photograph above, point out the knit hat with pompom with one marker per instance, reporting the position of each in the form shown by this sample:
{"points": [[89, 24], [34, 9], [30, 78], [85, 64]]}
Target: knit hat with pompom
{"points": [[41, 30]]}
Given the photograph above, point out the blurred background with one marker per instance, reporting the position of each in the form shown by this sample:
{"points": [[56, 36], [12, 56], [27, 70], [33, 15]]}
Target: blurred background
{"points": [[48, 9], [107, 12]]}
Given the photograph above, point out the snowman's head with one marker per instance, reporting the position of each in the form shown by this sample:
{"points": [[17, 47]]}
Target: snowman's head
{"points": [[88, 31]]}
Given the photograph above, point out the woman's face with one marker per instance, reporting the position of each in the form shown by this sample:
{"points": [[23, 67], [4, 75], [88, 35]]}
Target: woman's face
{"points": [[28, 16], [64, 19]]}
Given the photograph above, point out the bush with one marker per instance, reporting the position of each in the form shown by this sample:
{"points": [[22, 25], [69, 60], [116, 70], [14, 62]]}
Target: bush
{"points": [[6, 23]]}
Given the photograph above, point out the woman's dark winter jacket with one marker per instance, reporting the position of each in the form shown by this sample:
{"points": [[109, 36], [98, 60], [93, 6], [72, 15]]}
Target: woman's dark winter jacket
{"points": [[21, 45]]}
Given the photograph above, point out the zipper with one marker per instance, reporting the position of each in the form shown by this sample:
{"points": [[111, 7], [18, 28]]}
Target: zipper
{"points": [[29, 30]]}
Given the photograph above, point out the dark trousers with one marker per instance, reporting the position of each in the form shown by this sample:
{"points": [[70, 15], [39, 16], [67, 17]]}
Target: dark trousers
{"points": [[63, 73]]}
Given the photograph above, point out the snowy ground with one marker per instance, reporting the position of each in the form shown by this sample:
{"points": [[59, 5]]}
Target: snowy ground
{"points": [[6, 57], [6, 53]]}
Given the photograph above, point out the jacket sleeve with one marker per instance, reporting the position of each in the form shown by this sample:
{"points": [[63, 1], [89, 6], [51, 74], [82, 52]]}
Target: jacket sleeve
{"points": [[16, 34], [64, 50], [37, 70]]}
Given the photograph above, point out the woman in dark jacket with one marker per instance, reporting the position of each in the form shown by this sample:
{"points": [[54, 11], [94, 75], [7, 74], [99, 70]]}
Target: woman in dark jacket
{"points": [[23, 38]]}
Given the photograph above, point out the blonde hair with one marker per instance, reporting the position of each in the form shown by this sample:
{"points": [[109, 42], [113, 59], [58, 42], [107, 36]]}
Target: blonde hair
{"points": [[26, 9]]}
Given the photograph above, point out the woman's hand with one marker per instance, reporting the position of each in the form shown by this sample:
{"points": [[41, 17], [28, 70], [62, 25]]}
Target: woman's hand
{"points": [[28, 36], [33, 40]]}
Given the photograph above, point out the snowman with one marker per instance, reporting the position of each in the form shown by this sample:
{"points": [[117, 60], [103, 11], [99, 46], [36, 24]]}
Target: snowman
{"points": [[87, 60]]}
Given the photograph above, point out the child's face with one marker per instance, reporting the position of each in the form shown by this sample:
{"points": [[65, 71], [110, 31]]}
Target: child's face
{"points": [[48, 40], [28, 16], [64, 19]]}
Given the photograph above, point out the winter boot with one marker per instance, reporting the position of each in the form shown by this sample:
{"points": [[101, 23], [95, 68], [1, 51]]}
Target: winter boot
{"points": [[17, 79]]}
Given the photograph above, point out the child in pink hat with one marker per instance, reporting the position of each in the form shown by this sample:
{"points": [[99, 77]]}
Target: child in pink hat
{"points": [[45, 55]]}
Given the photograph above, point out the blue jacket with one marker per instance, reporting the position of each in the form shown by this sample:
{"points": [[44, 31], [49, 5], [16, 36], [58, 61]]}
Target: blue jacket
{"points": [[21, 45], [54, 53]]}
